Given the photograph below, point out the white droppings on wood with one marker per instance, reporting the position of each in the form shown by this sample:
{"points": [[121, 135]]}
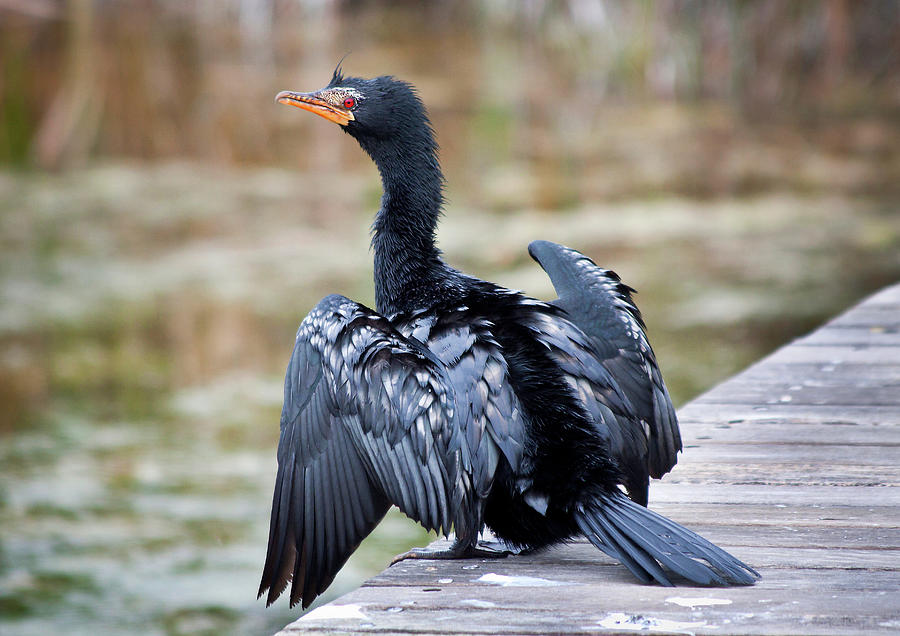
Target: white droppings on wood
{"points": [[477, 602], [631, 622], [517, 581], [334, 612], [692, 602]]}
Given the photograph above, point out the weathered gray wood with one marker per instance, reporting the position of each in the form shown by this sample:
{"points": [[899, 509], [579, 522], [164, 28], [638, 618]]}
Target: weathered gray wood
{"points": [[798, 373], [827, 414], [833, 516], [864, 455], [750, 392], [442, 608], [799, 535], [793, 465], [449, 600], [787, 431], [666, 491], [855, 337], [869, 316], [887, 296], [833, 355], [788, 475]]}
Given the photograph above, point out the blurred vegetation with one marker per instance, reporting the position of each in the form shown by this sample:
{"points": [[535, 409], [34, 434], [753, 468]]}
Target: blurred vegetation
{"points": [[160, 78], [164, 227]]}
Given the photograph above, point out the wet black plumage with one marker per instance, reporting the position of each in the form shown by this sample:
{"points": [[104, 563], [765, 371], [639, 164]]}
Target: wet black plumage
{"points": [[463, 403]]}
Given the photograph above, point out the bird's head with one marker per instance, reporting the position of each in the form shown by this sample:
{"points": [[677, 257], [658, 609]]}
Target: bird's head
{"points": [[388, 120], [369, 109]]}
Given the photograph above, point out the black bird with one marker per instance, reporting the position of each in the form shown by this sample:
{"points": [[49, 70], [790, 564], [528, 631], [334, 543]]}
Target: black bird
{"points": [[463, 403]]}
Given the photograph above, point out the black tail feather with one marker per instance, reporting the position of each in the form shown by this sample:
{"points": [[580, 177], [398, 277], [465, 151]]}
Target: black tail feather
{"points": [[622, 549], [731, 567], [645, 542], [671, 556]]}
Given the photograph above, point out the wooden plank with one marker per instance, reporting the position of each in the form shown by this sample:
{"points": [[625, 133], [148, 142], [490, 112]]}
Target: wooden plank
{"points": [[741, 392], [868, 497], [884, 315], [805, 489], [828, 414], [874, 336], [787, 431], [798, 535], [887, 296], [785, 474], [832, 516], [833, 355], [455, 611], [738, 456], [777, 546], [451, 600], [828, 374], [883, 321]]}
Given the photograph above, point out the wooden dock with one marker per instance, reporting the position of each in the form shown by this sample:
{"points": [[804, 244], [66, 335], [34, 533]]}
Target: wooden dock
{"points": [[792, 465]]}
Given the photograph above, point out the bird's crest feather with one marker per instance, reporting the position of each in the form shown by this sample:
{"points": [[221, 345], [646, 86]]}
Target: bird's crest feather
{"points": [[338, 76]]}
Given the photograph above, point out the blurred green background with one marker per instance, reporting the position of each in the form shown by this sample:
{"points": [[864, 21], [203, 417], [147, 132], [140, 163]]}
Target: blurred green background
{"points": [[164, 227]]}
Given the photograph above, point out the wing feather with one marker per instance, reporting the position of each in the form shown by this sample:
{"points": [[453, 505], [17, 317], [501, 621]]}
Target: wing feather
{"points": [[362, 426], [600, 305], [414, 412]]}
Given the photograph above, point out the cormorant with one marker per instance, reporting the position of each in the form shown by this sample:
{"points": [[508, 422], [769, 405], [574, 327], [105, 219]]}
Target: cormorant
{"points": [[463, 403]]}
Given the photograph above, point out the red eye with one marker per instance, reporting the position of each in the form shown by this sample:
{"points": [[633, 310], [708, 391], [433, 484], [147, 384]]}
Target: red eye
{"points": [[349, 102]]}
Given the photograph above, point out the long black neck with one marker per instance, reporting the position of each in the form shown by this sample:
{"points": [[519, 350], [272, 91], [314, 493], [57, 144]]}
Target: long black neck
{"points": [[409, 272]]}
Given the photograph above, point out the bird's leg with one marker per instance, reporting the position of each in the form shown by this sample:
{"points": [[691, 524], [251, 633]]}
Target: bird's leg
{"points": [[459, 550]]}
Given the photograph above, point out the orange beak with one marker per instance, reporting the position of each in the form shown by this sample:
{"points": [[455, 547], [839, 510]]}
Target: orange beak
{"points": [[314, 103]]}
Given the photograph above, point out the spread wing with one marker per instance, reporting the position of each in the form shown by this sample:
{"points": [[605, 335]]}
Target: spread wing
{"points": [[600, 305], [367, 422]]}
